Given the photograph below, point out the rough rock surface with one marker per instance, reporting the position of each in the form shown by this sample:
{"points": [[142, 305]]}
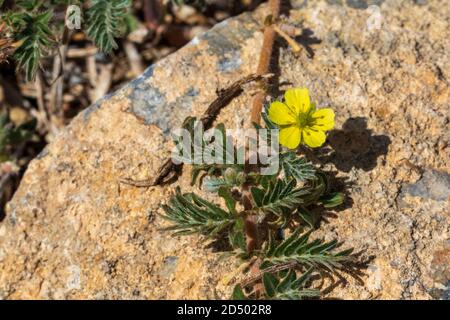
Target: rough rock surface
{"points": [[72, 232]]}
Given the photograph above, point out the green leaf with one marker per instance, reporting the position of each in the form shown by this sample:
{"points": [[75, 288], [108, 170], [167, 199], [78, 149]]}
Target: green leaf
{"points": [[29, 5], [211, 184], [297, 167], [297, 249], [344, 253], [270, 284], [217, 169], [292, 288], [281, 198], [306, 216], [238, 293], [131, 22], [258, 196], [271, 245], [332, 200], [304, 278], [107, 20], [287, 281], [237, 236], [286, 285], [190, 214], [229, 200], [316, 189], [266, 180], [36, 39], [195, 174]]}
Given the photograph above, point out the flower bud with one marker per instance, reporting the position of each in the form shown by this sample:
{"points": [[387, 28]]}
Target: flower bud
{"points": [[230, 175], [240, 178]]}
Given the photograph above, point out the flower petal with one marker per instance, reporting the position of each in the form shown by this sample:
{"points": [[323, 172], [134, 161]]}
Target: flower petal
{"points": [[323, 119], [290, 137], [298, 99], [280, 114], [313, 138]]}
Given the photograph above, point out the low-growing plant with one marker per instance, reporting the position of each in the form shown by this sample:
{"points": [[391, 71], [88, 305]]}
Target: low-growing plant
{"points": [[267, 220], [37, 27]]}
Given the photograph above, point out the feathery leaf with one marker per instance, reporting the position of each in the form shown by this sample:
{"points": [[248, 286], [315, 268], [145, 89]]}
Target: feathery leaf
{"points": [[238, 293], [297, 167], [35, 36], [332, 200], [190, 214], [293, 288], [281, 198], [106, 20], [297, 248]]}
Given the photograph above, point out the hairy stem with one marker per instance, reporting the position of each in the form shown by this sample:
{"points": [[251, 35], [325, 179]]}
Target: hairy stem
{"points": [[264, 59], [251, 227], [251, 223]]}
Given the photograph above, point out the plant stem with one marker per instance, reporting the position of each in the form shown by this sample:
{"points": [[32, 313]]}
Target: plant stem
{"points": [[251, 221], [294, 45], [264, 58], [251, 225], [152, 13]]}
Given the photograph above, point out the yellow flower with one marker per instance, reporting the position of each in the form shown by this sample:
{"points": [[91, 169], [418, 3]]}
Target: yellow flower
{"points": [[299, 121]]}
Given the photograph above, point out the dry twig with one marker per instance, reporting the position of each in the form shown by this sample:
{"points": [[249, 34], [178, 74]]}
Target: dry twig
{"points": [[135, 59], [74, 53], [56, 91], [100, 81]]}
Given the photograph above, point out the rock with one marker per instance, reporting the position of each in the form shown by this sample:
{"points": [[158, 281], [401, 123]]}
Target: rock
{"points": [[72, 232], [433, 185], [441, 273]]}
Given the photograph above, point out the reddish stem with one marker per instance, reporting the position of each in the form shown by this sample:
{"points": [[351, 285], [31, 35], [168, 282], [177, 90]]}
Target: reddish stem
{"points": [[152, 13], [251, 225], [264, 58]]}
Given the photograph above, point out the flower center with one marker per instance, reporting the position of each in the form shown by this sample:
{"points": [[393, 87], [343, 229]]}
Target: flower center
{"points": [[303, 120]]}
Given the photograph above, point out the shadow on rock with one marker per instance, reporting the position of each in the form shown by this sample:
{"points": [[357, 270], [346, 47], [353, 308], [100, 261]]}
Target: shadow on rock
{"points": [[355, 267], [355, 146], [335, 184], [9, 182], [307, 39]]}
